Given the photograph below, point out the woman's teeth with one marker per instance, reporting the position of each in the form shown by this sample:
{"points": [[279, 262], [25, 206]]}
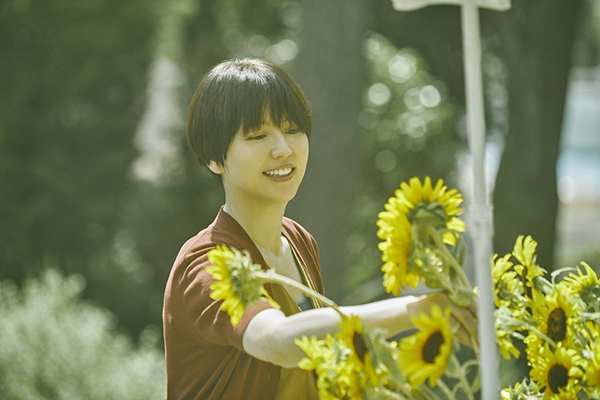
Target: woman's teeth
{"points": [[278, 172]]}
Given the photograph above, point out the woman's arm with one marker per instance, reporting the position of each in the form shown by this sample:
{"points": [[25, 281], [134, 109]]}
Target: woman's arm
{"points": [[270, 334]]}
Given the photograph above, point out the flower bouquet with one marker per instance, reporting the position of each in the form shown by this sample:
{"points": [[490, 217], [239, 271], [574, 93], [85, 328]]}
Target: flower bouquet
{"points": [[556, 319], [422, 242]]}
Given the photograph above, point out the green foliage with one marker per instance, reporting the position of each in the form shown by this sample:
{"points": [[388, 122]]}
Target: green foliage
{"points": [[72, 92], [435, 31], [410, 120], [409, 116], [157, 220], [54, 346], [73, 75], [223, 29]]}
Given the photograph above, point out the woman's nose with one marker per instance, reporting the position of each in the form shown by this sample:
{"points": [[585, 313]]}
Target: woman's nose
{"points": [[281, 147]]}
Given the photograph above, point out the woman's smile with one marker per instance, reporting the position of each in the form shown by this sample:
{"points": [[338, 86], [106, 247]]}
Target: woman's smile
{"points": [[280, 173]]}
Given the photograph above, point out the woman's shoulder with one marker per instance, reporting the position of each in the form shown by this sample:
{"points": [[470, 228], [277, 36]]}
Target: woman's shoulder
{"points": [[192, 259], [224, 230], [298, 234], [291, 226]]}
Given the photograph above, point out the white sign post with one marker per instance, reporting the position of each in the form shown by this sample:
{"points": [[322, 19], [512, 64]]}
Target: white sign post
{"points": [[481, 215]]}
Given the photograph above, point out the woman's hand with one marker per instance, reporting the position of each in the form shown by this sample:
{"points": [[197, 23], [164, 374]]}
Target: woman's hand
{"points": [[464, 319]]}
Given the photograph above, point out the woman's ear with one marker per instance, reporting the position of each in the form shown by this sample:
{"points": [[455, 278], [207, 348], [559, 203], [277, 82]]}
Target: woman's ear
{"points": [[215, 167]]}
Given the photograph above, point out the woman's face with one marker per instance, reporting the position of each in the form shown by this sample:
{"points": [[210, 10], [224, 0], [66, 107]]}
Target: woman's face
{"points": [[266, 165]]}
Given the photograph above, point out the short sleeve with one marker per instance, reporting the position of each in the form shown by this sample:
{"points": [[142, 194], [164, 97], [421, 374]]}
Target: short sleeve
{"points": [[204, 314]]}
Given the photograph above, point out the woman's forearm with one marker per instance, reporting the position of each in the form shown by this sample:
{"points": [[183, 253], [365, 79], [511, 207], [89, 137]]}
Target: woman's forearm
{"points": [[270, 334]]}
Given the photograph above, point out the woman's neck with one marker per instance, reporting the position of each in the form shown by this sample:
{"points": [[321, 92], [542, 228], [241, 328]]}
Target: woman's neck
{"points": [[262, 224]]}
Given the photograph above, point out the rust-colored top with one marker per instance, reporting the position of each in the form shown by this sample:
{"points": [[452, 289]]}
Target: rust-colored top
{"points": [[204, 354]]}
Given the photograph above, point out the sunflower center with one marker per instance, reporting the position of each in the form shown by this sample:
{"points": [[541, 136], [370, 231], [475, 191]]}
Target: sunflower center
{"points": [[432, 347], [557, 325], [359, 345], [558, 377]]}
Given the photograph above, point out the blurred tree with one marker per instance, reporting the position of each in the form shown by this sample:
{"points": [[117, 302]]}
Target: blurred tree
{"points": [[79, 189], [536, 42], [527, 59], [435, 32], [154, 223], [70, 97], [409, 119], [330, 70]]}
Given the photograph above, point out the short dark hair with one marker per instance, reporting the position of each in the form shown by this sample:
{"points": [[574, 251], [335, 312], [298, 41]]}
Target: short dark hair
{"points": [[235, 94]]}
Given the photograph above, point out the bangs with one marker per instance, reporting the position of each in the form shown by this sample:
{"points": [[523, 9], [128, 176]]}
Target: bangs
{"points": [[237, 95], [276, 97]]}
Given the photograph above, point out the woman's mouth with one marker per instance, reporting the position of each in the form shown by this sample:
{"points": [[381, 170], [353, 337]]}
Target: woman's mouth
{"points": [[279, 173]]}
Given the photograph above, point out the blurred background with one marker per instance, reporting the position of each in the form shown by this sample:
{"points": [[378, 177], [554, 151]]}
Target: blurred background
{"points": [[98, 190]]}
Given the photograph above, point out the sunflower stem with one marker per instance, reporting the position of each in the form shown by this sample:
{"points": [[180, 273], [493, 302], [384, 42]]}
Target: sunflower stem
{"points": [[527, 326], [440, 277], [449, 256], [442, 385], [271, 276], [426, 392], [475, 346], [385, 394], [443, 280], [462, 378]]}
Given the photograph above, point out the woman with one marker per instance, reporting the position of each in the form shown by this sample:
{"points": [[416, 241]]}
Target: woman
{"points": [[250, 124]]}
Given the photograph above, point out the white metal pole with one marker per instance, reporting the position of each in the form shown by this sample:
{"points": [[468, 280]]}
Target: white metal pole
{"points": [[480, 210]]}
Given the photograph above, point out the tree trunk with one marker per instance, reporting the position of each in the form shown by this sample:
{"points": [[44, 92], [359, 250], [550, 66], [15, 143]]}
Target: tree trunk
{"points": [[537, 40], [330, 70]]}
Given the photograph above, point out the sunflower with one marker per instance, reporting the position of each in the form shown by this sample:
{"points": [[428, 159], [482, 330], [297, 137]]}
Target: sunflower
{"points": [[395, 251], [433, 205], [414, 205], [556, 314], [235, 281], [354, 336], [506, 344], [503, 278], [592, 371], [528, 270], [425, 354], [559, 372], [336, 378], [316, 350], [581, 282], [331, 379], [500, 267]]}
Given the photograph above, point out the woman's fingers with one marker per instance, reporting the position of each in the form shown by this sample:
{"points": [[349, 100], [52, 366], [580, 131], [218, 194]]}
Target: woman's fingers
{"points": [[465, 330], [464, 317], [467, 320]]}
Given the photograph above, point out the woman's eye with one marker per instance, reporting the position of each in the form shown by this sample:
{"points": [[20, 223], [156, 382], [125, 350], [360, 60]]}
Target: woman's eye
{"points": [[292, 131], [256, 137]]}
